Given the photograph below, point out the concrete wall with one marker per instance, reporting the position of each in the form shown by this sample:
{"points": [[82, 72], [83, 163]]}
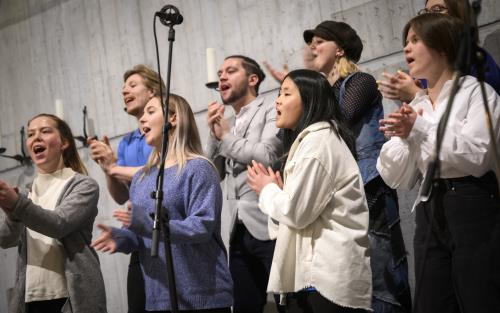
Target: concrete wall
{"points": [[77, 51]]}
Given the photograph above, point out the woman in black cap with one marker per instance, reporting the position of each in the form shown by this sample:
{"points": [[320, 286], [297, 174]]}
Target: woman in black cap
{"points": [[335, 48]]}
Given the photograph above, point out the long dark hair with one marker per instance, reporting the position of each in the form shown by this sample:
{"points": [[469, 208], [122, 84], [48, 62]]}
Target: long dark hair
{"points": [[319, 105], [70, 155]]}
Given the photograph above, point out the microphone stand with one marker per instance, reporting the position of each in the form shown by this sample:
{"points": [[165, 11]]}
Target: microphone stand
{"points": [[83, 139], [169, 16]]}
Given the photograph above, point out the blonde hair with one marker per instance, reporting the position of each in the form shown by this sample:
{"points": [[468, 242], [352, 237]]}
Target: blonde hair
{"points": [[346, 66], [151, 79], [185, 143]]}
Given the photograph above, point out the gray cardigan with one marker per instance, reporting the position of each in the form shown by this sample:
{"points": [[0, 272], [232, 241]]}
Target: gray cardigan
{"points": [[71, 222]]}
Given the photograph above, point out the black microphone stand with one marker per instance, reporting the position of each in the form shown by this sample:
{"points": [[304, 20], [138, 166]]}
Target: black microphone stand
{"points": [[83, 139], [169, 16]]}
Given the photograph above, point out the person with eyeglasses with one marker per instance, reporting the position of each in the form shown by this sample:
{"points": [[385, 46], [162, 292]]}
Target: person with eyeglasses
{"points": [[403, 87], [436, 8]]}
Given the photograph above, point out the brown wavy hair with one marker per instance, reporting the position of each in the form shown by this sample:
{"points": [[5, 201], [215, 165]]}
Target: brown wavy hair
{"points": [[70, 155]]}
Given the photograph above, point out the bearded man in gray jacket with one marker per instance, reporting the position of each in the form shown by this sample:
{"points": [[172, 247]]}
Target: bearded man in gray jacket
{"points": [[234, 142]]}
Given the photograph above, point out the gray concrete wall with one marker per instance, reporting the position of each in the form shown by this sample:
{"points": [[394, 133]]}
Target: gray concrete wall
{"points": [[77, 51]]}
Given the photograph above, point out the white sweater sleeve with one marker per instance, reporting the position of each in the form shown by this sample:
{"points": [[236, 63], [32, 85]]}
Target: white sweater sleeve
{"points": [[397, 164]]}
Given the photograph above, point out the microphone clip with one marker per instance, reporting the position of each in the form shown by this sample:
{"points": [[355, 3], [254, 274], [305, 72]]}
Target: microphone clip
{"points": [[169, 16]]}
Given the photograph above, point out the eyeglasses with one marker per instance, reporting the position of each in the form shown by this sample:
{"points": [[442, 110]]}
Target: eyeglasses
{"points": [[438, 8]]}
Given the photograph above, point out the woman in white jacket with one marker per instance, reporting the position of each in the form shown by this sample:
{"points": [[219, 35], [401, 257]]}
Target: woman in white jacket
{"points": [[319, 213]]}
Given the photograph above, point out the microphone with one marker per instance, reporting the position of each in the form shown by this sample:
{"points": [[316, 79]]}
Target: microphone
{"points": [[169, 15]]}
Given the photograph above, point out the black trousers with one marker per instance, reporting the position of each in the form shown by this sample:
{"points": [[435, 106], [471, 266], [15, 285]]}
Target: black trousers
{"points": [[136, 293], [313, 302], [47, 306], [221, 310], [250, 265], [457, 263]]}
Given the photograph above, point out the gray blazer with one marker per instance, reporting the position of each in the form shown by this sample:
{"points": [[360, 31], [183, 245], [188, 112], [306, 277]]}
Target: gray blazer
{"points": [[232, 155], [71, 222]]}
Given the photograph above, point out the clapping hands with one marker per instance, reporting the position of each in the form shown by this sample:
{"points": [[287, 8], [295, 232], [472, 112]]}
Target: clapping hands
{"points": [[218, 124], [258, 177], [399, 86], [400, 122]]}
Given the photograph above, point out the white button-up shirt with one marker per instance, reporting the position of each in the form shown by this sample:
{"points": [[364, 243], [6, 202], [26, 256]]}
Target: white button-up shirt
{"points": [[466, 147]]}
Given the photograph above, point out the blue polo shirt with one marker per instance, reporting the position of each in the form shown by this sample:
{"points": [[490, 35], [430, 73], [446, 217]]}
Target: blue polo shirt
{"points": [[133, 150]]}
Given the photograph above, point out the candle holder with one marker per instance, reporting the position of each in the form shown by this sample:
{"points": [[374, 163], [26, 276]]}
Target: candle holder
{"points": [[84, 139], [213, 85], [21, 158]]}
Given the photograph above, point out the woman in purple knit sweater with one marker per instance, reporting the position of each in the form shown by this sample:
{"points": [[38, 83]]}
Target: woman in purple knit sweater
{"points": [[193, 199]]}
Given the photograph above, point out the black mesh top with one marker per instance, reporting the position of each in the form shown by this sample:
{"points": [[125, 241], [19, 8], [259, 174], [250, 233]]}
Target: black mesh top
{"points": [[360, 93]]}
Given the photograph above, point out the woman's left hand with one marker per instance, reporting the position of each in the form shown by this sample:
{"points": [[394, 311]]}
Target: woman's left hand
{"points": [[258, 177], [8, 196], [399, 123], [105, 241]]}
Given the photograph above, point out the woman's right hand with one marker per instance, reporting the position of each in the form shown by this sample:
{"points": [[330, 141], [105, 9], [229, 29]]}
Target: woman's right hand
{"points": [[105, 242], [102, 153], [399, 86], [279, 76]]}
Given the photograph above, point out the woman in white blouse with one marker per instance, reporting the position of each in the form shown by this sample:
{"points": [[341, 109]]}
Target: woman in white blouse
{"points": [[458, 228], [319, 213]]}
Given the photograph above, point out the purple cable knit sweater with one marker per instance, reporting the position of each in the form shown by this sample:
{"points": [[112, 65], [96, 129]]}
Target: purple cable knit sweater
{"points": [[193, 199]]}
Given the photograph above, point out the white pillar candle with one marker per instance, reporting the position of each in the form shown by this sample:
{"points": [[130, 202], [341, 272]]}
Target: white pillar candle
{"points": [[59, 109], [90, 128], [211, 66]]}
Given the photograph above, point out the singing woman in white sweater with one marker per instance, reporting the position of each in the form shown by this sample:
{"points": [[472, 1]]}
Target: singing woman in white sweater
{"points": [[319, 212]]}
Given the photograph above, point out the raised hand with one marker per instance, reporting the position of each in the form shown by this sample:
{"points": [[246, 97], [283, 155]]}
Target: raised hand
{"points": [[278, 75], [218, 124], [399, 86], [101, 152]]}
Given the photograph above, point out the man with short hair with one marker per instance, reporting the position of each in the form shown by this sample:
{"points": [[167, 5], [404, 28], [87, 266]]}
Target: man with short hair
{"points": [[248, 135]]}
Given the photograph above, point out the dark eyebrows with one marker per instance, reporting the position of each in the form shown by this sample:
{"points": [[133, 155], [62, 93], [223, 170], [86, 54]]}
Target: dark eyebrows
{"points": [[31, 130]]}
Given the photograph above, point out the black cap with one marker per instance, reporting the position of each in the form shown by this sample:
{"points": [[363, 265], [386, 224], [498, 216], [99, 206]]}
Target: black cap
{"points": [[342, 34]]}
